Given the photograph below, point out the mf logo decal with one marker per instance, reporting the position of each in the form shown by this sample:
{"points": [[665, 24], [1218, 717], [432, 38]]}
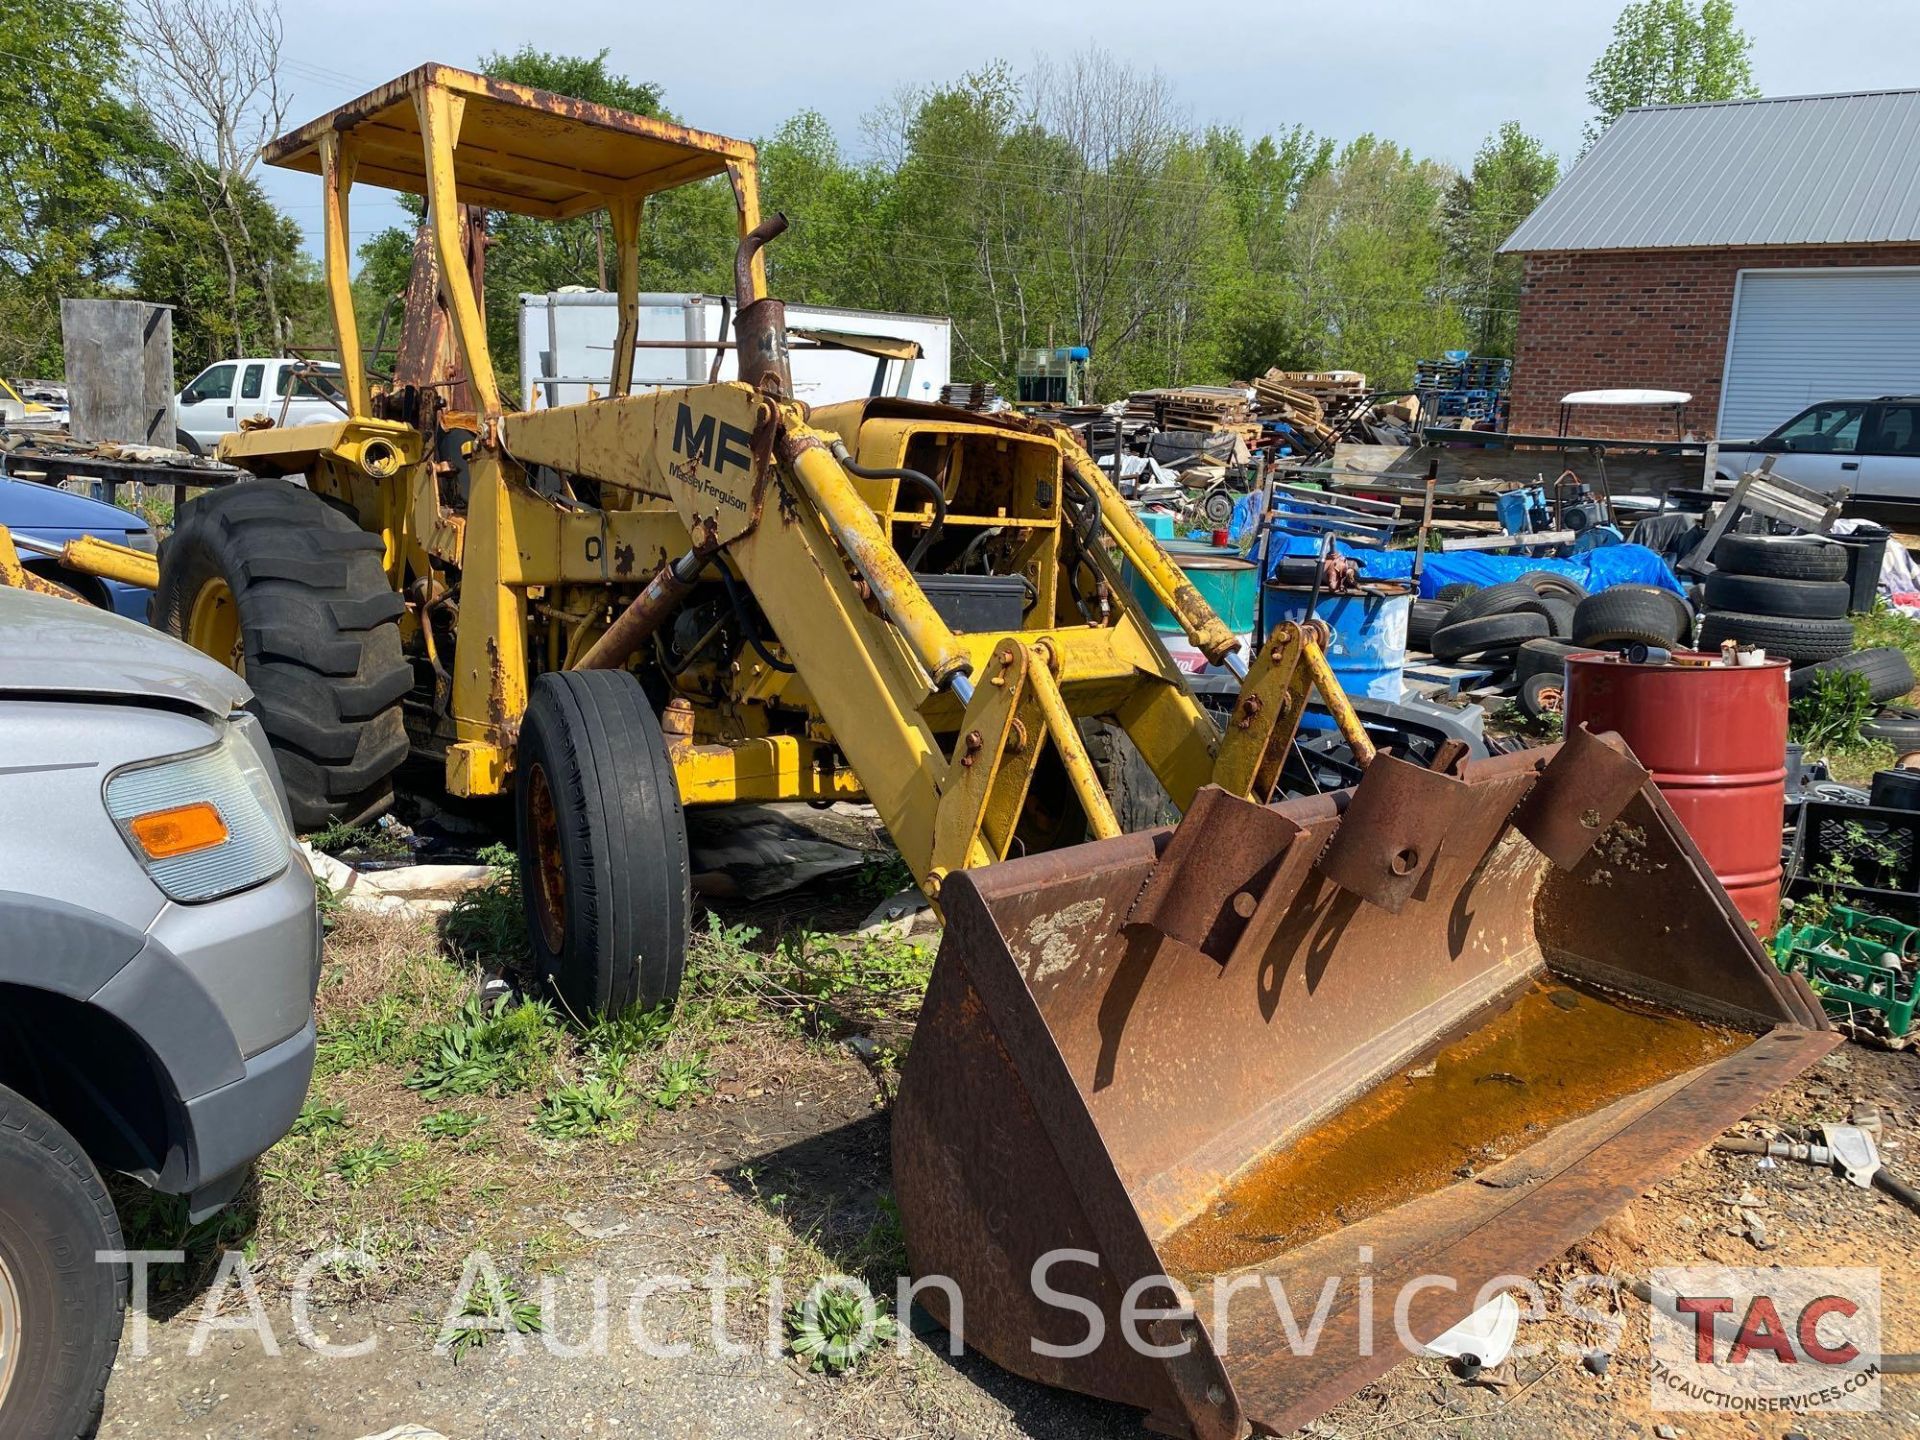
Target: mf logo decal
{"points": [[710, 444]]}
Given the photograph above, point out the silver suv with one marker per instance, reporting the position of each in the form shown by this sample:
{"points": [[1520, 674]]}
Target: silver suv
{"points": [[161, 947]]}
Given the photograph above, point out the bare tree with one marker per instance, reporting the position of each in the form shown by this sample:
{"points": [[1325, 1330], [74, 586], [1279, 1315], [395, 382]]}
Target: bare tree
{"points": [[210, 78]]}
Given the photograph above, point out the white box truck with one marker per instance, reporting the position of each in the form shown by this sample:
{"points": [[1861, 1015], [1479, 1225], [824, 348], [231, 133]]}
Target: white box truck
{"points": [[566, 348]]}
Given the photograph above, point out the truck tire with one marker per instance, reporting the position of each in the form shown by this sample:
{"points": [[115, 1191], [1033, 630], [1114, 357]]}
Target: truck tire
{"points": [[1764, 595], [1782, 557], [272, 580], [604, 871], [1506, 598], [1423, 618], [1889, 673], [1552, 585], [1801, 641], [60, 1308]]}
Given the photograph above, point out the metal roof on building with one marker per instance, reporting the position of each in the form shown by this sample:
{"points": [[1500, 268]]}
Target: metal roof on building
{"points": [[1800, 170]]}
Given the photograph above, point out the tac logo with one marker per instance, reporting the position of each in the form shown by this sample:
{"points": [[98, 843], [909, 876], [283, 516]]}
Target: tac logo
{"points": [[1757, 1341], [711, 444]]}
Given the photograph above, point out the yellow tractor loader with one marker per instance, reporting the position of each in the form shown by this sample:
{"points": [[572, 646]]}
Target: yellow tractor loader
{"points": [[1452, 1015], [615, 609]]}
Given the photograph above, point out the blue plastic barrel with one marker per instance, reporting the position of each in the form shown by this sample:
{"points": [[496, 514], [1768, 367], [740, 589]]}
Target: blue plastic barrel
{"points": [[1367, 644]]}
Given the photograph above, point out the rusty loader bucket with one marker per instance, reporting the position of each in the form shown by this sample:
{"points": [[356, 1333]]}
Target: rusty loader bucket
{"points": [[1438, 1025]]}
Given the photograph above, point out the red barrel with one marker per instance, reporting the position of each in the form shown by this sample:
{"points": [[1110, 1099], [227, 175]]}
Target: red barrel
{"points": [[1715, 739]]}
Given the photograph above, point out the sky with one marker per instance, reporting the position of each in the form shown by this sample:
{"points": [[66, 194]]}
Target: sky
{"points": [[1438, 79]]}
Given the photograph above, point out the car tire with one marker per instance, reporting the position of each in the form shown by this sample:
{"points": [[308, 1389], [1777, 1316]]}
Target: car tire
{"points": [[1506, 598], [1552, 585], [1898, 726], [1888, 672], [1801, 641], [1423, 619], [1629, 614], [1765, 595], [604, 872], [182, 440], [1488, 634], [65, 1306], [1544, 657], [1559, 616], [1781, 557], [272, 580]]}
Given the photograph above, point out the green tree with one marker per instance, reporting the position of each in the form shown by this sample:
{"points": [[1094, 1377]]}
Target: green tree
{"points": [[179, 257], [1511, 175], [1668, 52], [73, 162]]}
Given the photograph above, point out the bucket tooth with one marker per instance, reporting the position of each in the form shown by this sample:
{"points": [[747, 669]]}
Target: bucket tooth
{"points": [[1391, 830], [1583, 789], [1227, 875]]}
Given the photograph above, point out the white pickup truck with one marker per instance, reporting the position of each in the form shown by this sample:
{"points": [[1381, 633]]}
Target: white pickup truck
{"points": [[283, 390]]}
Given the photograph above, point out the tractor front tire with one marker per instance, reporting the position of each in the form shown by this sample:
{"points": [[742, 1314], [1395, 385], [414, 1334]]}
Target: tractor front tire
{"points": [[604, 871], [270, 579]]}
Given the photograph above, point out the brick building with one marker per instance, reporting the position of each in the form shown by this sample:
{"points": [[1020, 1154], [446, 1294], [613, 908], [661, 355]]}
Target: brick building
{"points": [[1759, 254]]}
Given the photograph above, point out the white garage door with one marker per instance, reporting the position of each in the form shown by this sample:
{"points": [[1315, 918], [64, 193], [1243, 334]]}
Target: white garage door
{"points": [[1803, 336]]}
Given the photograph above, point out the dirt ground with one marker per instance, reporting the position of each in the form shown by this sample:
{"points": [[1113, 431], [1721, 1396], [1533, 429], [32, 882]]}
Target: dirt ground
{"points": [[776, 1160]]}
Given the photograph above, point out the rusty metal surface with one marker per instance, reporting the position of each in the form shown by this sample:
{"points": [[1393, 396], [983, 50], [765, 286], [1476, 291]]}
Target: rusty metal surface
{"points": [[1134, 1071], [1391, 830], [1581, 791]]}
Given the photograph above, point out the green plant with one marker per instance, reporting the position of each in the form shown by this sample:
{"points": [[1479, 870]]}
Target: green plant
{"points": [[884, 875], [487, 925], [523, 1315], [450, 1124], [574, 1112], [361, 1163], [836, 1325], [495, 1048], [613, 1040], [1829, 715], [316, 1118], [370, 840], [377, 1033], [678, 1078]]}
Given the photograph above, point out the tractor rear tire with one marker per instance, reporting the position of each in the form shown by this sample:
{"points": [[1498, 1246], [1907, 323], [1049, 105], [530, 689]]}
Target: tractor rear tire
{"points": [[272, 580], [604, 871]]}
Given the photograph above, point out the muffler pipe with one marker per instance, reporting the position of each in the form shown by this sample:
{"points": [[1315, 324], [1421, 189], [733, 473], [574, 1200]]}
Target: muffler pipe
{"points": [[760, 322]]}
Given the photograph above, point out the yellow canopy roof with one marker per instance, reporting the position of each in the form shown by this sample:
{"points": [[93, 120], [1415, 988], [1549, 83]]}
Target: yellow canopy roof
{"points": [[520, 149]]}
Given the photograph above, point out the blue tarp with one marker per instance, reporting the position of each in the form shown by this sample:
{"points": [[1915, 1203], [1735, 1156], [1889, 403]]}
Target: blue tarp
{"points": [[1594, 569]]}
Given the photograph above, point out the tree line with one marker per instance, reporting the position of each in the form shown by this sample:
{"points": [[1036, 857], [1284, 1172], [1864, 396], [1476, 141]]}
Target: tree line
{"points": [[1074, 202]]}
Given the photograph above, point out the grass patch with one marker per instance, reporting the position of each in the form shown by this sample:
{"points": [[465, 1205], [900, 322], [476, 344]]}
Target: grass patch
{"points": [[495, 1049], [595, 1107], [1885, 627], [487, 926]]}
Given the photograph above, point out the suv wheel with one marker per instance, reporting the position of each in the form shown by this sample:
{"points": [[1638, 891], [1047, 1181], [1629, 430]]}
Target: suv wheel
{"points": [[60, 1309]]}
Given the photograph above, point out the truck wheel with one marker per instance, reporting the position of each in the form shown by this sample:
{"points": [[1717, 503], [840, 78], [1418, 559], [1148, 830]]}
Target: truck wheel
{"points": [[603, 846], [60, 1309], [272, 580]]}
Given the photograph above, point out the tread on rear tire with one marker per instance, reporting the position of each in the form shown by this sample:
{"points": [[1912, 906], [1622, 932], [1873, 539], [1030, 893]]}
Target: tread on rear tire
{"points": [[317, 634]]}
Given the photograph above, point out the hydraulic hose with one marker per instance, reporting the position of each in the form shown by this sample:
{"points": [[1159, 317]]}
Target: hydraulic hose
{"points": [[924, 481], [749, 626]]}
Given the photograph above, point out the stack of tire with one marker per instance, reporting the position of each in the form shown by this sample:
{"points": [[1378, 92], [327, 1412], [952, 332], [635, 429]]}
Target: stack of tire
{"points": [[1787, 594], [1612, 619], [1511, 627]]}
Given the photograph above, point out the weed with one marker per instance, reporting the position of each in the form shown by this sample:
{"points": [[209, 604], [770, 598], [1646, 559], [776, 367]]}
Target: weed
{"points": [[1829, 715], [430, 1185], [836, 1325], [676, 1079], [317, 1119], [523, 1315], [369, 840], [361, 1163], [450, 1124], [497, 1049], [574, 1112], [487, 925], [613, 1040], [883, 876], [376, 1034]]}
